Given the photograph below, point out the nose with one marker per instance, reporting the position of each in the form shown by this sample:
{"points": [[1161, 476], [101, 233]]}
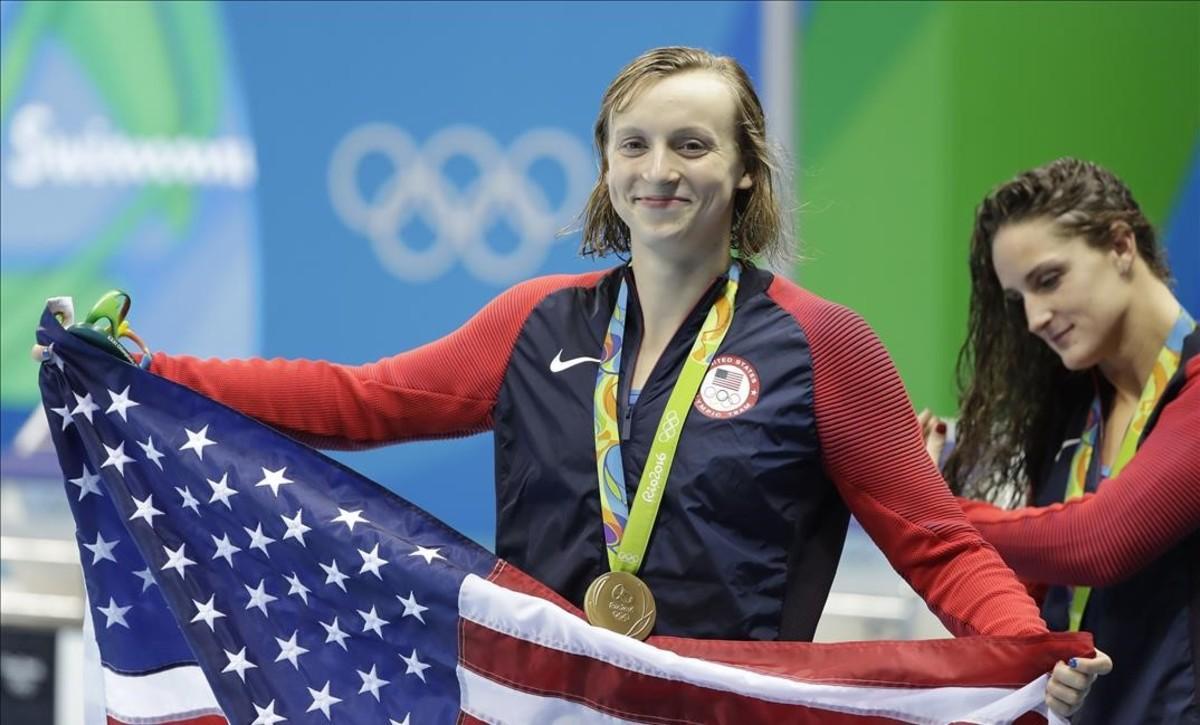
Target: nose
{"points": [[1037, 314], [660, 166]]}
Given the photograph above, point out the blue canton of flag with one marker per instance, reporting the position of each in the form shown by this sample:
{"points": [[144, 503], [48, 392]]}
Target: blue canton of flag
{"points": [[235, 575], [305, 591]]}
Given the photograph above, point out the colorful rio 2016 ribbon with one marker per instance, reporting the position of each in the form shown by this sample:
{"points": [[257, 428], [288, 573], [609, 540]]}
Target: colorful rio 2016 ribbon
{"points": [[627, 530], [1165, 366]]}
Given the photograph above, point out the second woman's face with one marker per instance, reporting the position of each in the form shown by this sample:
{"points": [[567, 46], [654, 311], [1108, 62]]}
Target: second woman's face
{"points": [[673, 161], [1074, 294]]}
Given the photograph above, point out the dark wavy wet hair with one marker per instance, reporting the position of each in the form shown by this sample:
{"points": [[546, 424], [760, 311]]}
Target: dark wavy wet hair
{"points": [[1015, 395]]}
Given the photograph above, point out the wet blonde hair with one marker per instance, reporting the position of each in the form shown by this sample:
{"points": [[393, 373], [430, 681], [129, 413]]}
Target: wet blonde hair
{"points": [[758, 228]]}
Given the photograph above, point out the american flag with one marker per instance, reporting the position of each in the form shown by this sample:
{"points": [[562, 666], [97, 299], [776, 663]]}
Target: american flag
{"points": [[236, 575], [727, 378]]}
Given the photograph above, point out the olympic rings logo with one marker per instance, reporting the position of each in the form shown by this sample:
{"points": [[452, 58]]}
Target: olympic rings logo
{"points": [[669, 428], [722, 396], [419, 190]]}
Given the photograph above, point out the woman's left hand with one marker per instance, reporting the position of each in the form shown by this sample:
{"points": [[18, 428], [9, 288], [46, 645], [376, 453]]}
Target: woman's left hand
{"points": [[1068, 686], [933, 430]]}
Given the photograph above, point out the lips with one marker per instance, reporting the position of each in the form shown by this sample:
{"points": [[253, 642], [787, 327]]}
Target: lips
{"points": [[659, 202], [1060, 337]]}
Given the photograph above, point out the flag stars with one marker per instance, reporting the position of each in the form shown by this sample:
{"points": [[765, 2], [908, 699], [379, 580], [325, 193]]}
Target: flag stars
{"points": [[334, 633], [238, 663], [177, 560], [414, 666], [222, 491], [189, 501], [289, 650], [145, 509], [297, 587], [87, 483], [371, 562], [322, 700], [428, 554], [402, 722], [266, 715], [334, 575], [372, 622], [259, 597], [349, 518], [197, 441], [412, 608], [54, 357], [64, 413], [102, 549], [147, 578], [274, 479], [207, 612], [259, 540], [152, 453], [296, 529], [121, 403], [371, 682], [116, 457], [84, 405], [116, 615], [225, 548]]}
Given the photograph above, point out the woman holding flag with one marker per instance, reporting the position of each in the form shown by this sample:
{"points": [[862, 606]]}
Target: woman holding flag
{"points": [[678, 439], [1084, 401]]}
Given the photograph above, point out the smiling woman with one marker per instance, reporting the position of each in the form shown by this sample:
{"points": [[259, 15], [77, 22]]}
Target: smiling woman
{"points": [[674, 163]]}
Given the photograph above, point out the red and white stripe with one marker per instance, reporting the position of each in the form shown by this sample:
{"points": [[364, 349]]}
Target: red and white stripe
{"points": [[525, 659], [176, 696]]}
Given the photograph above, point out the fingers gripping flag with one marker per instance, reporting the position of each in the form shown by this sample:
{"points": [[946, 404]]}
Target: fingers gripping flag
{"points": [[237, 575]]}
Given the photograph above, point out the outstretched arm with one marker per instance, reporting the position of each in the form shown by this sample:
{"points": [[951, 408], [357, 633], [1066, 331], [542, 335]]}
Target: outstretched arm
{"points": [[1107, 536], [873, 451], [444, 389]]}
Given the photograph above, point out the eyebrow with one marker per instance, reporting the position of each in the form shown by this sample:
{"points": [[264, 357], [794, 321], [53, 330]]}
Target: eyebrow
{"points": [[1038, 269], [1041, 268], [693, 130]]}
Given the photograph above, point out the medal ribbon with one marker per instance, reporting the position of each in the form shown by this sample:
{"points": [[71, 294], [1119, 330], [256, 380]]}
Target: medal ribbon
{"points": [[626, 530], [1165, 367]]}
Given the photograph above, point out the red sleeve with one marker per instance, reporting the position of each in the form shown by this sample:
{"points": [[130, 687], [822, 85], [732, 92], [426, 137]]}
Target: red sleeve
{"points": [[873, 451], [1107, 536], [443, 389]]}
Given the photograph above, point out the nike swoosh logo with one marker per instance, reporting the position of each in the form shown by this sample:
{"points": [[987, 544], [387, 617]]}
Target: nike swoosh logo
{"points": [[557, 365]]}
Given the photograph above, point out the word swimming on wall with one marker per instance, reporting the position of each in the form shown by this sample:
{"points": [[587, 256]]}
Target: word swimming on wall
{"points": [[43, 154]]}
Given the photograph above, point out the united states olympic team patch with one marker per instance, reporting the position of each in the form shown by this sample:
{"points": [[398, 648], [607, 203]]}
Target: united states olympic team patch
{"points": [[730, 388]]}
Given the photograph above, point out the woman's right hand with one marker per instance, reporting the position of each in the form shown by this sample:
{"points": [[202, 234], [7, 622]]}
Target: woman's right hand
{"points": [[38, 352], [933, 430]]}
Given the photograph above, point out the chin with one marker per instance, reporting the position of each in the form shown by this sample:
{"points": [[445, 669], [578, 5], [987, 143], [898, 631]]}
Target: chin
{"points": [[658, 236], [1075, 361]]}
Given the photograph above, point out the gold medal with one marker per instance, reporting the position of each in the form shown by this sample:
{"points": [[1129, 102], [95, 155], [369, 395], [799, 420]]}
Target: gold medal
{"points": [[620, 602]]}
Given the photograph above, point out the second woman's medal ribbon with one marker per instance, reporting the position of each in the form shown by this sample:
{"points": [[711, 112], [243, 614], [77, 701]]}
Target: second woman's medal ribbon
{"points": [[1164, 368], [619, 600]]}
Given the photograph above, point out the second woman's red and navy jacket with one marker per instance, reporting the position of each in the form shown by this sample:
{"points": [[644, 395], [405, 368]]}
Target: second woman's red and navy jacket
{"points": [[1136, 538], [756, 509]]}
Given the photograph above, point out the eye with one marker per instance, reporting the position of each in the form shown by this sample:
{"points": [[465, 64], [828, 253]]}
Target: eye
{"points": [[1047, 280], [631, 146], [693, 147]]}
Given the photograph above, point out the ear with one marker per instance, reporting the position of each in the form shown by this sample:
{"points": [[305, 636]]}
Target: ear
{"points": [[1124, 245], [745, 182]]}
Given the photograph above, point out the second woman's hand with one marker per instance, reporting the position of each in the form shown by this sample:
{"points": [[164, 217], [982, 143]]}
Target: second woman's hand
{"points": [[933, 430], [1070, 682]]}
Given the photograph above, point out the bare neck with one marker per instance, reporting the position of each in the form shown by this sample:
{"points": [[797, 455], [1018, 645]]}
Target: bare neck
{"points": [[668, 289], [1144, 329]]}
